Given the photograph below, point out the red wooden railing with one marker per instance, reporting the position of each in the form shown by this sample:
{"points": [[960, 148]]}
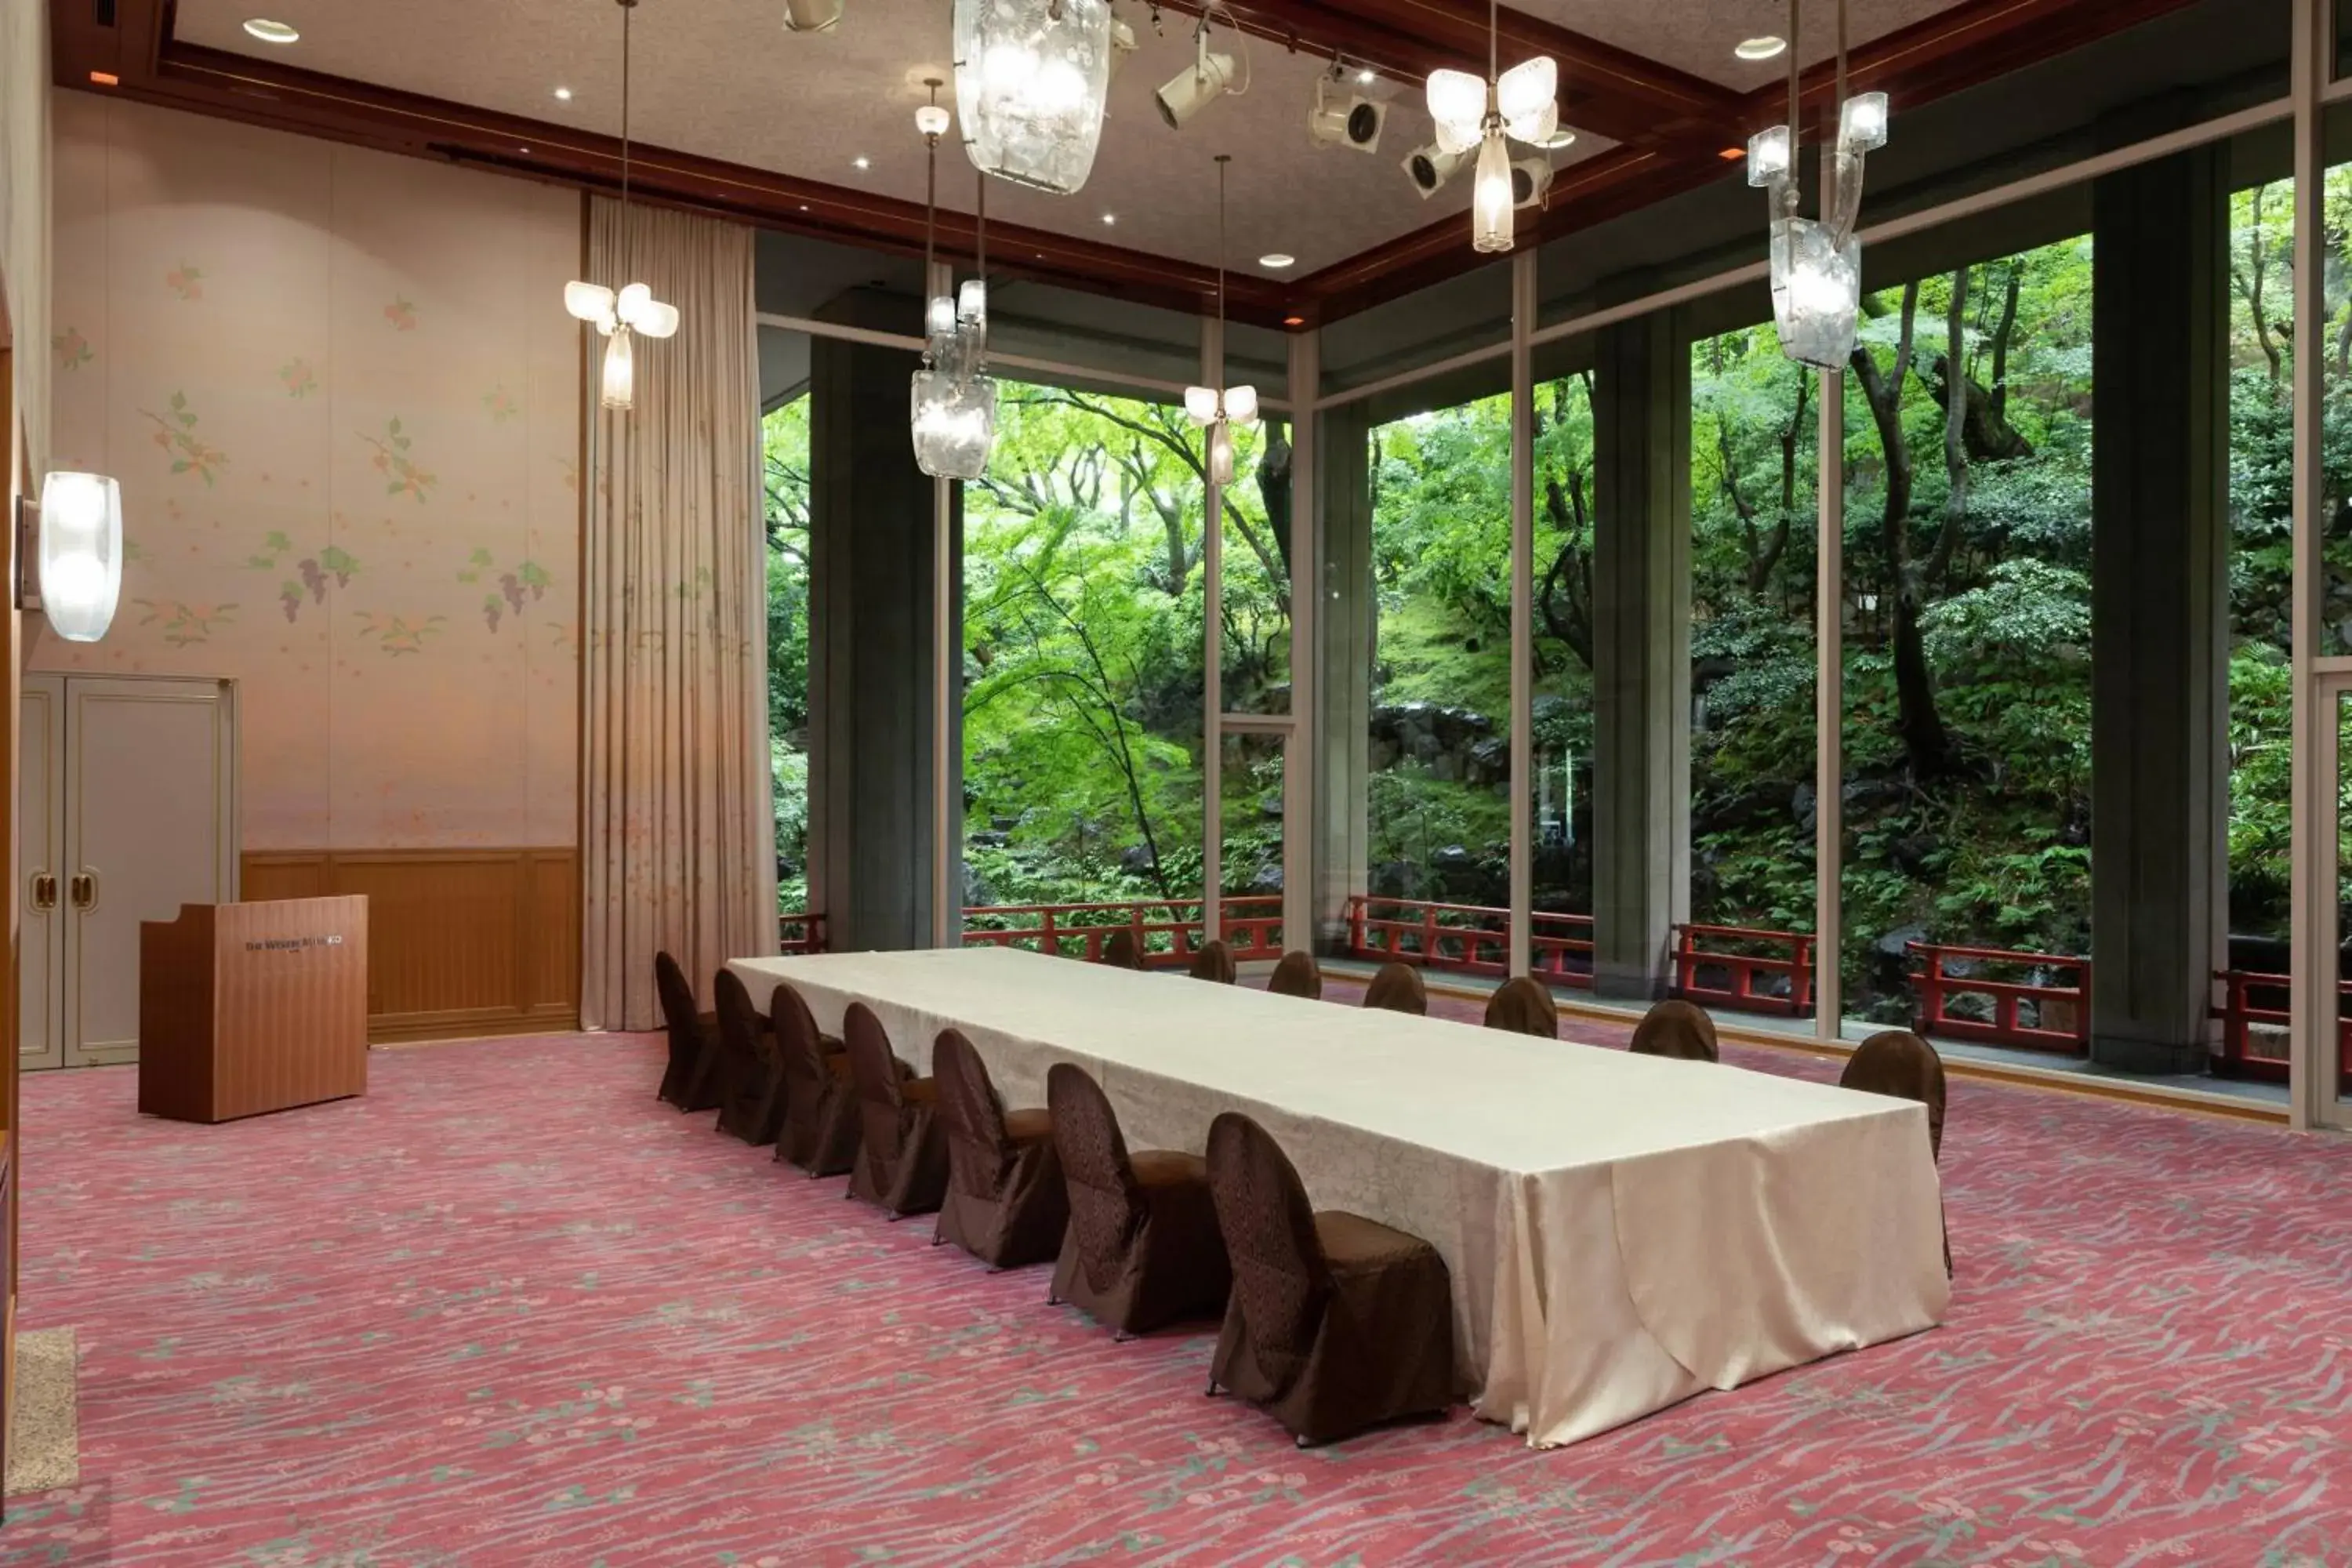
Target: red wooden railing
{"points": [[1793, 965], [1253, 928], [1468, 939], [2063, 1013], [800, 932], [2248, 999]]}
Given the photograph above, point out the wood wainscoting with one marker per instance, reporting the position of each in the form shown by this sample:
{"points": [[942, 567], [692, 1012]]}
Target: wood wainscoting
{"points": [[461, 942]]}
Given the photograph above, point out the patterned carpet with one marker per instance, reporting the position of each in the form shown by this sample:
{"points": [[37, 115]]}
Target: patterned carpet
{"points": [[508, 1311]]}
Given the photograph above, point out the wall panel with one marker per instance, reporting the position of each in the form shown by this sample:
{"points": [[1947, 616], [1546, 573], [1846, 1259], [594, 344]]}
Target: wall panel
{"points": [[462, 942]]}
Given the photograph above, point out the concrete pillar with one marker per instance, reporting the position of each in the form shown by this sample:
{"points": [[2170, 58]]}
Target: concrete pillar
{"points": [[1345, 627], [2159, 610], [871, 678], [1641, 651]]}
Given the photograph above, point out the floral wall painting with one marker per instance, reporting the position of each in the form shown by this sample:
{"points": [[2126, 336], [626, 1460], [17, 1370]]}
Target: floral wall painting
{"points": [[342, 397]]}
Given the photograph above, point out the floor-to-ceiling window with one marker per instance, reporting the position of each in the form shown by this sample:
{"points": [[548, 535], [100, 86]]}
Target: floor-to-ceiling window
{"points": [[1439, 751], [1561, 815], [784, 483], [1754, 441], [1083, 689], [1968, 725]]}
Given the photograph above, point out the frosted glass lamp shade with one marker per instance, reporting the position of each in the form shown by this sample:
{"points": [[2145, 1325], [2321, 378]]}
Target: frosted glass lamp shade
{"points": [[1221, 453], [1457, 102], [1491, 197], [1816, 293], [588, 301], [1241, 404], [1030, 78], [1201, 404], [811, 16], [632, 302], [657, 320], [80, 553], [1862, 124], [931, 120], [618, 384], [954, 424], [1768, 157], [1527, 98]]}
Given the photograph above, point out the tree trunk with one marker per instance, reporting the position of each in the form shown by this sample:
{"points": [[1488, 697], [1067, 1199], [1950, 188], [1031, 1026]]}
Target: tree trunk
{"points": [[1926, 742]]}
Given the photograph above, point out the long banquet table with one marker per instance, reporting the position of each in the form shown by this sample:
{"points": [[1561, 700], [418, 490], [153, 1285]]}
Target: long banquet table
{"points": [[1622, 1231]]}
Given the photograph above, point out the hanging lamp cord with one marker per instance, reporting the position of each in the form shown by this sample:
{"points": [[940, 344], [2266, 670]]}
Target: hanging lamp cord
{"points": [[1223, 159], [1795, 90]]}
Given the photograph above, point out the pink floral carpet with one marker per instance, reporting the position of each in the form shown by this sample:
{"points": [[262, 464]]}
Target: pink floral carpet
{"points": [[508, 1310]]}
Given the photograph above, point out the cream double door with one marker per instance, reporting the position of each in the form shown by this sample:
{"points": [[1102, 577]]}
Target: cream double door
{"points": [[127, 804]]}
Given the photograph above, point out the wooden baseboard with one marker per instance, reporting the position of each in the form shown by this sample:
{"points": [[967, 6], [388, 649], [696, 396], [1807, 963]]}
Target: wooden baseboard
{"points": [[462, 942]]}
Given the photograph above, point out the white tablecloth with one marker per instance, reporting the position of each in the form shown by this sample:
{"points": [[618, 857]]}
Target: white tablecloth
{"points": [[1622, 1231]]}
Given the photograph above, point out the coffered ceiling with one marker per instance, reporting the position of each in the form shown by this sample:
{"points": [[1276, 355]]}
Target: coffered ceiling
{"points": [[814, 133]]}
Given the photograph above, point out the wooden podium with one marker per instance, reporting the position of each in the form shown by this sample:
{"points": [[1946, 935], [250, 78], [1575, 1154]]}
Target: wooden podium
{"points": [[246, 1008]]}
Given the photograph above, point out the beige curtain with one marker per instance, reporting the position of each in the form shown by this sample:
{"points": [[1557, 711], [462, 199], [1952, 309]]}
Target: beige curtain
{"points": [[679, 835]]}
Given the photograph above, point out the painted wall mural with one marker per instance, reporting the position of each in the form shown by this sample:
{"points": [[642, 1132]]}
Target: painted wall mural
{"points": [[342, 397]]}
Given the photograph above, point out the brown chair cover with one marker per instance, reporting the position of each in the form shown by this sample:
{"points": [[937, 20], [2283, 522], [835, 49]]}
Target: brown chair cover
{"points": [[902, 1160], [1899, 1063], [1005, 1201], [1523, 1004], [820, 1126], [1298, 975], [1398, 988], [1675, 1029], [1122, 951], [751, 1088], [1337, 1322], [692, 1036], [1142, 1249], [1213, 962]]}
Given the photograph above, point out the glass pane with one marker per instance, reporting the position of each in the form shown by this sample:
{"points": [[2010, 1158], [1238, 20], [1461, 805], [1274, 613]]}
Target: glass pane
{"points": [[1257, 542], [784, 464], [1968, 765], [1254, 784], [1083, 689], [1561, 594], [1439, 751], [1755, 431]]}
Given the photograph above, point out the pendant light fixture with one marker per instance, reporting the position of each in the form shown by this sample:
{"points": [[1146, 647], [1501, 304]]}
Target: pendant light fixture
{"points": [[1817, 264], [632, 312], [1216, 408], [1031, 77], [1522, 103], [953, 404]]}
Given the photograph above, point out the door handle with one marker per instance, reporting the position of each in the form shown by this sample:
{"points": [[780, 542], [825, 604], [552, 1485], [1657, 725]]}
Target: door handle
{"points": [[83, 888], [45, 891]]}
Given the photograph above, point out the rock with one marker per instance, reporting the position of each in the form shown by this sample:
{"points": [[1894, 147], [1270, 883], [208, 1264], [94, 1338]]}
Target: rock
{"points": [[1913, 851], [1392, 879], [1136, 860], [1490, 762], [1268, 879], [1003, 823], [989, 840], [1871, 794], [1269, 806], [1893, 944], [1801, 805]]}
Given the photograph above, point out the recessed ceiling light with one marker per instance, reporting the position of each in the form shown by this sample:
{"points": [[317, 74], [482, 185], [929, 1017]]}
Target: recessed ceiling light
{"points": [[1763, 48], [1110, 218], [1293, 320], [861, 163], [805, 207], [1366, 78], [563, 95], [1562, 137], [1277, 260], [270, 32]]}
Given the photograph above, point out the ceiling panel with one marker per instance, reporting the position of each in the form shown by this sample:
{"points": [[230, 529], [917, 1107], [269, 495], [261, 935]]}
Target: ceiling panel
{"points": [[722, 79], [1699, 35]]}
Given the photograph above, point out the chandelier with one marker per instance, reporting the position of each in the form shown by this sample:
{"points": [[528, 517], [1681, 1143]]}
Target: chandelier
{"points": [[1817, 264], [1522, 103], [632, 311], [953, 403], [1217, 408], [1031, 77]]}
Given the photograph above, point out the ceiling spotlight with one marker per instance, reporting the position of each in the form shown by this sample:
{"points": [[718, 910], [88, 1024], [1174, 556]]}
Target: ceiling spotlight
{"points": [[1110, 219], [562, 95], [1210, 78], [1530, 182], [1353, 120], [1563, 137], [1430, 167], [1367, 77], [1763, 48], [1277, 260], [861, 163], [811, 16], [270, 32]]}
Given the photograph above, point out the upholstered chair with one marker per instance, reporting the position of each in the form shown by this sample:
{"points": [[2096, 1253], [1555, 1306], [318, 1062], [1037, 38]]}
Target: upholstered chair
{"points": [[1397, 988], [1675, 1029], [820, 1123], [1523, 1006], [1142, 1250], [751, 1082], [1213, 962], [1006, 1202], [1296, 975], [693, 1035], [902, 1163], [1897, 1062]]}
